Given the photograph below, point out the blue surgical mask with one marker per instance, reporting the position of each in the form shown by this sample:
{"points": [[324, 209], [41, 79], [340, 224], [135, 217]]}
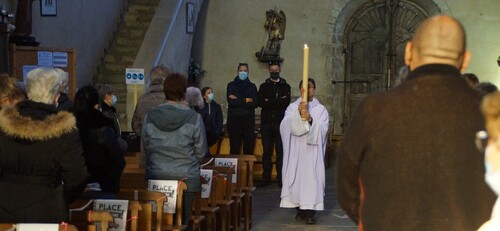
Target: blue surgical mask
{"points": [[115, 100], [211, 96], [243, 75]]}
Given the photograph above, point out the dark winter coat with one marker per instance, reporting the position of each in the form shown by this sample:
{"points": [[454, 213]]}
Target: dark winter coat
{"points": [[274, 98], [64, 103], [145, 103], [213, 121], [241, 89], [42, 168], [110, 112], [103, 155], [408, 160]]}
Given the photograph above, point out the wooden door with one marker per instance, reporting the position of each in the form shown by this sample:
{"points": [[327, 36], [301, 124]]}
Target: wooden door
{"points": [[375, 38]]}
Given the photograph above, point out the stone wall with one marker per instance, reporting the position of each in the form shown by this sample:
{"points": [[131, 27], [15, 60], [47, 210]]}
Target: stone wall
{"points": [[233, 32]]}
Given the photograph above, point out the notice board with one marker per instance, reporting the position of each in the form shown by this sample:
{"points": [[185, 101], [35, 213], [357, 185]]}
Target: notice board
{"points": [[24, 58]]}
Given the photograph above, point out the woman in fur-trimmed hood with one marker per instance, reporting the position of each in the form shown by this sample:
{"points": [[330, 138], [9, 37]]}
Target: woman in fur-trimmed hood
{"points": [[42, 168]]}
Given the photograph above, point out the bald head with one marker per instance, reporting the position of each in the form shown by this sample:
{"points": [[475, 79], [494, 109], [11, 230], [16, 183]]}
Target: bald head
{"points": [[438, 40]]}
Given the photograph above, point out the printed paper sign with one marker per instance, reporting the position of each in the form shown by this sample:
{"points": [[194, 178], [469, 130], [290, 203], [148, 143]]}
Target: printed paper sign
{"points": [[60, 59], [118, 210], [37, 227], [169, 188], [45, 59], [205, 188], [134, 76], [228, 162]]}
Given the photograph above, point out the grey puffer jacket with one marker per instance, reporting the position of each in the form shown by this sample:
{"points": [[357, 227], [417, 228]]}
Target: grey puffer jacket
{"points": [[174, 142]]}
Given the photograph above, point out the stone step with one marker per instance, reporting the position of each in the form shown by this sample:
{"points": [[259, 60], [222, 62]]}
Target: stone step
{"points": [[123, 41], [129, 51], [111, 58], [130, 32], [111, 78], [139, 16], [145, 2], [137, 24]]}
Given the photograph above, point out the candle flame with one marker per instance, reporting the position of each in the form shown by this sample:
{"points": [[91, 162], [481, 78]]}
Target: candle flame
{"points": [[305, 46]]}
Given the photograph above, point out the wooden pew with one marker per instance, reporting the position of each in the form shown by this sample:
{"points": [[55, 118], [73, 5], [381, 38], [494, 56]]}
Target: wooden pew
{"points": [[62, 227], [245, 175], [209, 206], [223, 195], [145, 217]]}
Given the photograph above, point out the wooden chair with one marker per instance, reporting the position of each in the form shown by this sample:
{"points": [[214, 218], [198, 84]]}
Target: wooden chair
{"points": [[87, 218], [196, 217], [145, 217], [223, 195], [246, 179], [209, 206], [81, 209], [174, 220], [62, 227]]}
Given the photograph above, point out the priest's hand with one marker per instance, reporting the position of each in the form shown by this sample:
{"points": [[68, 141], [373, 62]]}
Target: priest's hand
{"points": [[304, 113]]}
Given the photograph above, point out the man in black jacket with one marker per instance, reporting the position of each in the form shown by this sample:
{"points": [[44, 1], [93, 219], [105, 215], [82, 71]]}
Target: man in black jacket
{"points": [[274, 98]]}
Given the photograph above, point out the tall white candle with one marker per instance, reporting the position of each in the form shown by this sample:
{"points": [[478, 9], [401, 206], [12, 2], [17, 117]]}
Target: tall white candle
{"points": [[305, 74]]}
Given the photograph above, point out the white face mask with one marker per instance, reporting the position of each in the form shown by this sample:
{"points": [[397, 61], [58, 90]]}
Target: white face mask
{"points": [[492, 178], [211, 96]]}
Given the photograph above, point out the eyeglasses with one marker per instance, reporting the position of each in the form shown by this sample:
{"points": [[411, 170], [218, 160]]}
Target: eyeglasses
{"points": [[481, 140]]}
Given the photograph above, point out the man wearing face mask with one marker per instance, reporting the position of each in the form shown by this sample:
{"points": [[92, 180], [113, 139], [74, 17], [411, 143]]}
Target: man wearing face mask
{"points": [[242, 101], [274, 98]]}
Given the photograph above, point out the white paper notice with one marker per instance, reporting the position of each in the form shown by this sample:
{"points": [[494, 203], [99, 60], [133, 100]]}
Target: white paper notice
{"points": [[60, 59], [45, 59], [134, 76], [118, 210], [37, 227], [228, 162], [205, 188], [169, 188]]}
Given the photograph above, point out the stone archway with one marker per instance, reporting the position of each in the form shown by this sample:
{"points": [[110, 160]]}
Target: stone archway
{"points": [[368, 43]]}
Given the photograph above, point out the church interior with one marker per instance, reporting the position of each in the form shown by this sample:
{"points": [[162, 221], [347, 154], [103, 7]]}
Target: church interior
{"points": [[356, 48]]}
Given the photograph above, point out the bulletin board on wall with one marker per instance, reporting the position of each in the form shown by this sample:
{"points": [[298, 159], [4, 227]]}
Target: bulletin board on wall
{"points": [[25, 58]]}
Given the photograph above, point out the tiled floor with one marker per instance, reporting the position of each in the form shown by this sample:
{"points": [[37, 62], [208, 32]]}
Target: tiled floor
{"points": [[269, 216]]}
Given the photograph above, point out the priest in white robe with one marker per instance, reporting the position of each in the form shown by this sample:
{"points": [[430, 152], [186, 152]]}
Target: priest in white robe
{"points": [[304, 143]]}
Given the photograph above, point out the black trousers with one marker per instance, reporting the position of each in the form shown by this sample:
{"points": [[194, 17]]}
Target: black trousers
{"points": [[241, 131], [271, 139], [306, 213], [187, 207]]}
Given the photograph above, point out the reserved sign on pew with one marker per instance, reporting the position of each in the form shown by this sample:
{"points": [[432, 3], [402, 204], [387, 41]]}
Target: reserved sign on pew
{"points": [[118, 209], [169, 188], [228, 162], [205, 188]]}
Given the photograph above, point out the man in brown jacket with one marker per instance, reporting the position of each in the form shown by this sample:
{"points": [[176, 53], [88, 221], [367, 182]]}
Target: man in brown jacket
{"points": [[408, 160]]}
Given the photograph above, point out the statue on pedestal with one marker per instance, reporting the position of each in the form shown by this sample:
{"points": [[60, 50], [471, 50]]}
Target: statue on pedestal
{"points": [[275, 26], [24, 15]]}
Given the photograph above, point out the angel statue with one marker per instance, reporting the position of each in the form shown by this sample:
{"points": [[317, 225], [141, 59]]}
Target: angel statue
{"points": [[275, 26]]}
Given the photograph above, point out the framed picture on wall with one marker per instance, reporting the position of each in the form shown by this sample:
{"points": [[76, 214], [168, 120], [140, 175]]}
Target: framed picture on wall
{"points": [[48, 7], [190, 18]]}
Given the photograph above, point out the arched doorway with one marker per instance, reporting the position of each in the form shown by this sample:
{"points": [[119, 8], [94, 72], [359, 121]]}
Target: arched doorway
{"points": [[374, 40]]}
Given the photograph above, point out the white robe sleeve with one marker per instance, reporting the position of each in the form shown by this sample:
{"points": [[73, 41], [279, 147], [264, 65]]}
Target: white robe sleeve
{"points": [[299, 127]]}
